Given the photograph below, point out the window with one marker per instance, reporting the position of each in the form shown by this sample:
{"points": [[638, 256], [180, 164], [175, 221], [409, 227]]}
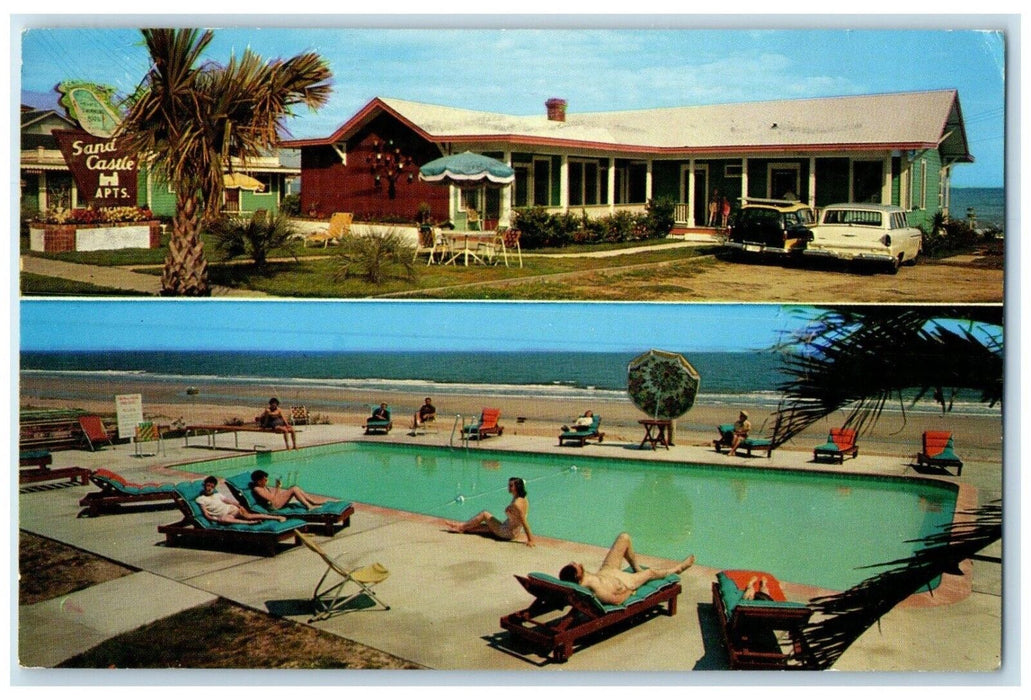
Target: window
{"points": [[541, 183], [631, 182], [732, 170], [521, 193], [853, 216], [584, 184]]}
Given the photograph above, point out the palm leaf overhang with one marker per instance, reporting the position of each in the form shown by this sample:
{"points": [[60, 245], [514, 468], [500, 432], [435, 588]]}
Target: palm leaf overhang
{"points": [[838, 620], [862, 359]]}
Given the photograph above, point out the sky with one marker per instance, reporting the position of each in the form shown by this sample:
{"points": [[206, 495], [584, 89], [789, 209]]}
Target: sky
{"points": [[87, 325], [597, 63]]}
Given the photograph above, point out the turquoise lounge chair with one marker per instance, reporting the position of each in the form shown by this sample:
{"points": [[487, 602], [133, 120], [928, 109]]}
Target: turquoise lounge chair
{"points": [[840, 442], [375, 426], [748, 627], [328, 515], [487, 425], [116, 491], [582, 435], [556, 636], [726, 439], [195, 526], [938, 451]]}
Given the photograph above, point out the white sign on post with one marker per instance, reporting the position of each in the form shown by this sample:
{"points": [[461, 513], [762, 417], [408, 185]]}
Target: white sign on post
{"points": [[129, 409]]}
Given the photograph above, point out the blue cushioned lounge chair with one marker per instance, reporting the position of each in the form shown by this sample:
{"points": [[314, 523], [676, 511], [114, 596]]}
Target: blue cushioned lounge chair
{"points": [[327, 516], [726, 439], [195, 526], [938, 451], [840, 442], [582, 435], [749, 627], [557, 636], [116, 491], [376, 426]]}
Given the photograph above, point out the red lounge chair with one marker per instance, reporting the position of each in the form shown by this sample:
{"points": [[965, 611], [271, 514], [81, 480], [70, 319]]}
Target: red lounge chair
{"points": [[94, 431], [556, 636], [840, 442], [488, 425], [115, 491], [938, 451], [749, 627]]}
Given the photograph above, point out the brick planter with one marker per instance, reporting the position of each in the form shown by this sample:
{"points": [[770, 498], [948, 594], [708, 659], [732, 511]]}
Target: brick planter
{"points": [[60, 238]]}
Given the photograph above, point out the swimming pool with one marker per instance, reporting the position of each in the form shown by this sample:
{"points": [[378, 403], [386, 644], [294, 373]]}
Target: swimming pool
{"points": [[803, 527]]}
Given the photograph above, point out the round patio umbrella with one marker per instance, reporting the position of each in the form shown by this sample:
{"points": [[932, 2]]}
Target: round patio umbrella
{"points": [[467, 169], [662, 384], [244, 182]]}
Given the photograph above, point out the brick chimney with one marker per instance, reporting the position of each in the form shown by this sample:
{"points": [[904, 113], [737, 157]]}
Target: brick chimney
{"points": [[556, 109]]}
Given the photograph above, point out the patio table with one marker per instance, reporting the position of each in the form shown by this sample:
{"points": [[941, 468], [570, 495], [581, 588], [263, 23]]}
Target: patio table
{"points": [[466, 245], [656, 432]]}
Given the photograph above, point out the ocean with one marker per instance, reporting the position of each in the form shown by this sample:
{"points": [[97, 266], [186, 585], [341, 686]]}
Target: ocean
{"points": [[727, 378], [988, 203]]}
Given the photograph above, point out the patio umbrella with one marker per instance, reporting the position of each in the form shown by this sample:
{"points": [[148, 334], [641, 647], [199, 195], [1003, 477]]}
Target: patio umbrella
{"points": [[662, 384], [466, 170]]}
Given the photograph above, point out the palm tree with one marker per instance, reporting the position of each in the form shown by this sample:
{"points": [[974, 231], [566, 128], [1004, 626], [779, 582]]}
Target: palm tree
{"points": [[190, 117]]}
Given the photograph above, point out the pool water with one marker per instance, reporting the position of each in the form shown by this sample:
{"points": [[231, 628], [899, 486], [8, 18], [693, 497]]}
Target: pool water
{"points": [[802, 527]]}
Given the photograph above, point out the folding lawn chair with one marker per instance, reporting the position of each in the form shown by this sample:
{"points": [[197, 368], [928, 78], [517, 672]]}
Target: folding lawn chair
{"points": [[332, 600]]}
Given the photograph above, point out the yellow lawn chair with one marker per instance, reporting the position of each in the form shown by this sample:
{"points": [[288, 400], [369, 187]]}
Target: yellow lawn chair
{"points": [[332, 599], [339, 226]]}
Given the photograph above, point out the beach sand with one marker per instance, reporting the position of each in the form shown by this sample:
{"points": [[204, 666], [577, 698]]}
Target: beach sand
{"points": [[978, 438]]}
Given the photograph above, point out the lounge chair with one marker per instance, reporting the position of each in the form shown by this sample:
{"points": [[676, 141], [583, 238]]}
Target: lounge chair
{"points": [[580, 436], [327, 516], [94, 432], [34, 467], [339, 226], [938, 451], [148, 432], [726, 439], [487, 425], [557, 636], [195, 526], [332, 599], [374, 426], [749, 628], [840, 442], [115, 491]]}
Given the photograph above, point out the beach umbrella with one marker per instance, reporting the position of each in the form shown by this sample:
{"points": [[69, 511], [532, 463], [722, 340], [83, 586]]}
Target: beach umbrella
{"points": [[662, 384], [244, 182], [467, 170]]}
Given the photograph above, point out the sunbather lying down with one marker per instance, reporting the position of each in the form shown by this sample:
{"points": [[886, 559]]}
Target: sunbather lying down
{"points": [[220, 509], [277, 497], [611, 584]]}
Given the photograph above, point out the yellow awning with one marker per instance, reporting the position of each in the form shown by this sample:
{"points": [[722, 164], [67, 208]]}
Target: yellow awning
{"points": [[243, 182]]}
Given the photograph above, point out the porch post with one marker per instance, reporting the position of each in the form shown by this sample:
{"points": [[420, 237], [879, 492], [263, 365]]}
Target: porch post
{"points": [[611, 185], [886, 180], [563, 183], [744, 177], [506, 193], [648, 180], [812, 181], [690, 192]]}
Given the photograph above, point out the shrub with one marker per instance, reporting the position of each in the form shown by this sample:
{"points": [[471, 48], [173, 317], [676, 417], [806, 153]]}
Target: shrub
{"points": [[254, 237], [102, 215], [659, 219], [376, 257], [291, 205]]}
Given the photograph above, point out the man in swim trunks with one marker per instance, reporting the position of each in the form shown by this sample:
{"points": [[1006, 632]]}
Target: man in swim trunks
{"points": [[220, 509], [611, 584]]}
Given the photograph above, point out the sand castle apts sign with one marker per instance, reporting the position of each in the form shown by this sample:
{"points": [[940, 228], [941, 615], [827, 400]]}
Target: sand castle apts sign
{"points": [[105, 175]]}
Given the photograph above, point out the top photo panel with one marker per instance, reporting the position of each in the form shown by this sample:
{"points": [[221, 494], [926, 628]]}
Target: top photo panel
{"points": [[686, 165]]}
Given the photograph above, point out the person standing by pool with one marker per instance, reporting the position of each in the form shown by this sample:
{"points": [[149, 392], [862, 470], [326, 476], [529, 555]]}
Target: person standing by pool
{"points": [[515, 521], [426, 413], [274, 419], [277, 497], [742, 426], [611, 584]]}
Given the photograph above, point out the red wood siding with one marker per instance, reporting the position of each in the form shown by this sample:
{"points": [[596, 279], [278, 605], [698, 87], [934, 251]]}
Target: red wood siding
{"points": [[328, 186]]}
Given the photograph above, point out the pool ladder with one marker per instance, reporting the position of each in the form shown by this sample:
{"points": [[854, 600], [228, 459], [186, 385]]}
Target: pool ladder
{"points": [[463, 436]]}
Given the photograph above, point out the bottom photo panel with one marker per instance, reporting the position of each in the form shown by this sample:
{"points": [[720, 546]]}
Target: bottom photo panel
{"points": [[510, 487]]}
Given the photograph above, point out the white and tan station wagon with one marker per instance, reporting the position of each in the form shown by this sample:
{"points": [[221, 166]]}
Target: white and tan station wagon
{"points": [[875, 233]]}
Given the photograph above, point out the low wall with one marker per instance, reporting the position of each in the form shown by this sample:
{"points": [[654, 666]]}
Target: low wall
{"points": [[60, 238]]}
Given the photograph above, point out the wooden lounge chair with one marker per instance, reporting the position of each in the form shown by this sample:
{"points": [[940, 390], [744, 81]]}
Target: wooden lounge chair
{"points": [[938, 451], [94, 432], [328, 516], [34, 467], [582, 435], [749, 628], [374, 426], [115, 491], [339, 226], [726, 439], [333, 599], [558, 636], [840, 442], [487, 425], [264, 535]]}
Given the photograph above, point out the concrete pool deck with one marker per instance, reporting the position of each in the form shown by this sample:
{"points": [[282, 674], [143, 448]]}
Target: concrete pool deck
{"points": [[447, 592]]}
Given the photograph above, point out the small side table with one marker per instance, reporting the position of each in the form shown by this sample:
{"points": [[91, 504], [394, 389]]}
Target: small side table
{"points": [[656, 432]]}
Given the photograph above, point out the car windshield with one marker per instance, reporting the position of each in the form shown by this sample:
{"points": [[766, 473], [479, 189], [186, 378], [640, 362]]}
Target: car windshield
{"points": [[861, 217]]}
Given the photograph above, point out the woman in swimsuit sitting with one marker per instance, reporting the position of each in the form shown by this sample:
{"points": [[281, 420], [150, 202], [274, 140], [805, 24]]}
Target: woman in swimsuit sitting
{"points": [[515, 521], [273, 419]]}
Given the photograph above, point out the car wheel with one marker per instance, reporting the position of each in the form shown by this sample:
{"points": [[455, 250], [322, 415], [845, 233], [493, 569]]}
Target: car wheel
{"points": [[895, 264], [912, 261]]}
